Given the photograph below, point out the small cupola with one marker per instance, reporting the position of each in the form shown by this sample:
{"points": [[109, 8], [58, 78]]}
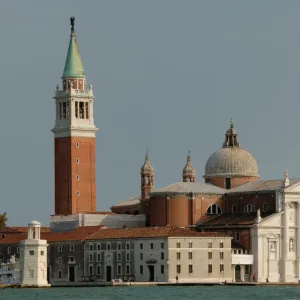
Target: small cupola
{"points": [[188, 172], [34, 230]]}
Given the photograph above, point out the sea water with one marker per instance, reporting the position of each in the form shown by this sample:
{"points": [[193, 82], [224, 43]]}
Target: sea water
{"points": [[155, 293]]}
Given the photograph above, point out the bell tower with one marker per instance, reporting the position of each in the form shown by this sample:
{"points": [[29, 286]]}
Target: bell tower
{"points": [[147, 178], [188, 172], [74, 138]]}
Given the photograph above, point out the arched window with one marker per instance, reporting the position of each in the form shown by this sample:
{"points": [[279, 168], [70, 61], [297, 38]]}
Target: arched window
{"points": [[249, 208], [214, 210]]}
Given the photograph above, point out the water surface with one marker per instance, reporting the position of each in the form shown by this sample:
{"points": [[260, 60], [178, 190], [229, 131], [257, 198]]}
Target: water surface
{"points": [[155, 293]]}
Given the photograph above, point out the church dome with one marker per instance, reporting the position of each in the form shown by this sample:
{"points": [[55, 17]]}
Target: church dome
{"points": [[231, 160]]}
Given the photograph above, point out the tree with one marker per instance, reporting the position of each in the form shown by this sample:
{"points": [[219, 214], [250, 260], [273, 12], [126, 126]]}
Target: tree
{"points": [[3, 220]]}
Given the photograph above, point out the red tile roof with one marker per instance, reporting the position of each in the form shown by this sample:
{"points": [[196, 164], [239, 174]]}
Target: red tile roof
{"points": [[231, 220], [21, 229], [13, 238], [150, 232]]}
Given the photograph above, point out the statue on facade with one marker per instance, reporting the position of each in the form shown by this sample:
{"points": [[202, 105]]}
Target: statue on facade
{"points": [[72, 20]]}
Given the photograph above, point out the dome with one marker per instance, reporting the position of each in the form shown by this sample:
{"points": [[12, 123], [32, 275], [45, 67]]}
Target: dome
{"points": [[188, 169], [231, 160], [34, 223]]}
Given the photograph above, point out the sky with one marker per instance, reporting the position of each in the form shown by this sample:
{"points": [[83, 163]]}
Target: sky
{"points": [[167, 75]]}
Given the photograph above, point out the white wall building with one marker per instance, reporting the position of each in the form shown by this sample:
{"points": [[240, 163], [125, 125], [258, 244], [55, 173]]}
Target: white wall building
{"points": [[33, 258], [163, 254], [276, 238]]}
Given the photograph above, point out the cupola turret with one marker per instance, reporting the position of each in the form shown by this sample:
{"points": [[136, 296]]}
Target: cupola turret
{"points": [[147, 177], [188, 172]]}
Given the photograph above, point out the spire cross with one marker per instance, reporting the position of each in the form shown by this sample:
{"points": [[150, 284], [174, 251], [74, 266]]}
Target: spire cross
{"points": [[72, 20]]}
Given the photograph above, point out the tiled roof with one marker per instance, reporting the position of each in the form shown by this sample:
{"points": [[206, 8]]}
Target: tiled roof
{"points": [[13, 238], [188, 187], [131, 201], [150, 232], [262, 186], [77, 234], [21, 229], [237, 219]]}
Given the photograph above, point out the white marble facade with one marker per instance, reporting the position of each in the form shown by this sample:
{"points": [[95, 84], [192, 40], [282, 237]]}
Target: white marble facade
{"points": [[276, 239]]}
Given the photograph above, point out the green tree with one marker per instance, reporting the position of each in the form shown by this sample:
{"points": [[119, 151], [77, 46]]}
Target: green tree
{"points": [[3, 220]]}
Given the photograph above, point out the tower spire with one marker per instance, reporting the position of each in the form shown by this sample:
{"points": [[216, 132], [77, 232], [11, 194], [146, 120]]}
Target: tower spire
{"points": [[188, 172], [147, 177]]}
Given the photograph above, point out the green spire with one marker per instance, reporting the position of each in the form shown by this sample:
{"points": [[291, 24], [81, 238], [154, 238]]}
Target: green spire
{"points": [[73, 65]]}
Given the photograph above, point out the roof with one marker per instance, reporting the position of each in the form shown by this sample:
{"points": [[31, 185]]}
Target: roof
{"points": [[150, 232], [262, 186], [232, 220], [21, 229], [191, 187], [129, 202], [34, 223], [73, 64], [77, 234]]}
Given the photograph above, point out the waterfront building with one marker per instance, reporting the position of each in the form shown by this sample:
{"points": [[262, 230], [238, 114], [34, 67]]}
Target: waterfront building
{"points": [[163, 254], [33, 258]]}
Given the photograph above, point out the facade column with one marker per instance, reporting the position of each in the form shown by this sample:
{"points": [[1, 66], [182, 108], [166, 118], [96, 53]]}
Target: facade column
{"points": [[285, 242], [298, 239], [242, 272]]}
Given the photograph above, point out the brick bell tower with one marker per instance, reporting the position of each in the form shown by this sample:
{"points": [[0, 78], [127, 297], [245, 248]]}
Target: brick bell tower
{"points": [[75, 138], [147, 177]]}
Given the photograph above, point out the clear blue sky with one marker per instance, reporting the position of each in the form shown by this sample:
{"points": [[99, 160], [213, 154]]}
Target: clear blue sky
{"points": [[167, 75]]}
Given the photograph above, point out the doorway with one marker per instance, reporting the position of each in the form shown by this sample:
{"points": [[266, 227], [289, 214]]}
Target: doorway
{"points": [[151, 272], [48, 274], [237, 273], [71, 273], [108, 273]]}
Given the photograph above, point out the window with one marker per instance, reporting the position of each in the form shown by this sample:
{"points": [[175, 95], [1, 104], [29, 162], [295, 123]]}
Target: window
{"points": [[127, 269], [190, 268], [77, 161], [209, 268], [98, 257], [91, 257], [119, 270], [98, 270], [91, 247], [108, 247], [249, 208], [127, 246], [86, 110], [141, 270], [8, 250], [59, 260], [209, 245], [190, 245], [233, 208], [127, 256], [190, 255], [81, 110], [237, 236], [214, 210], [71, 259], [265, 207], [178, 255], [76, 109], [162, 245], [141, 256], [72, 247], [119, 246], [77, 177], [221, 268], [209, 255], [151, 246], [162, 269], [98, 247], [42, 253], [162, 255], [221, 245], [78, 193], [141, 246], [178, 269], [228, 183], [77, 144], [59, 274], [221, 255], [178, 245], [18, 249], [247, 269], [31, 252], [91, 269]]}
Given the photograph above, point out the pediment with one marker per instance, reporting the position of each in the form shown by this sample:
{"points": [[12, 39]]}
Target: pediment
{"points": [[273, 220]]}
